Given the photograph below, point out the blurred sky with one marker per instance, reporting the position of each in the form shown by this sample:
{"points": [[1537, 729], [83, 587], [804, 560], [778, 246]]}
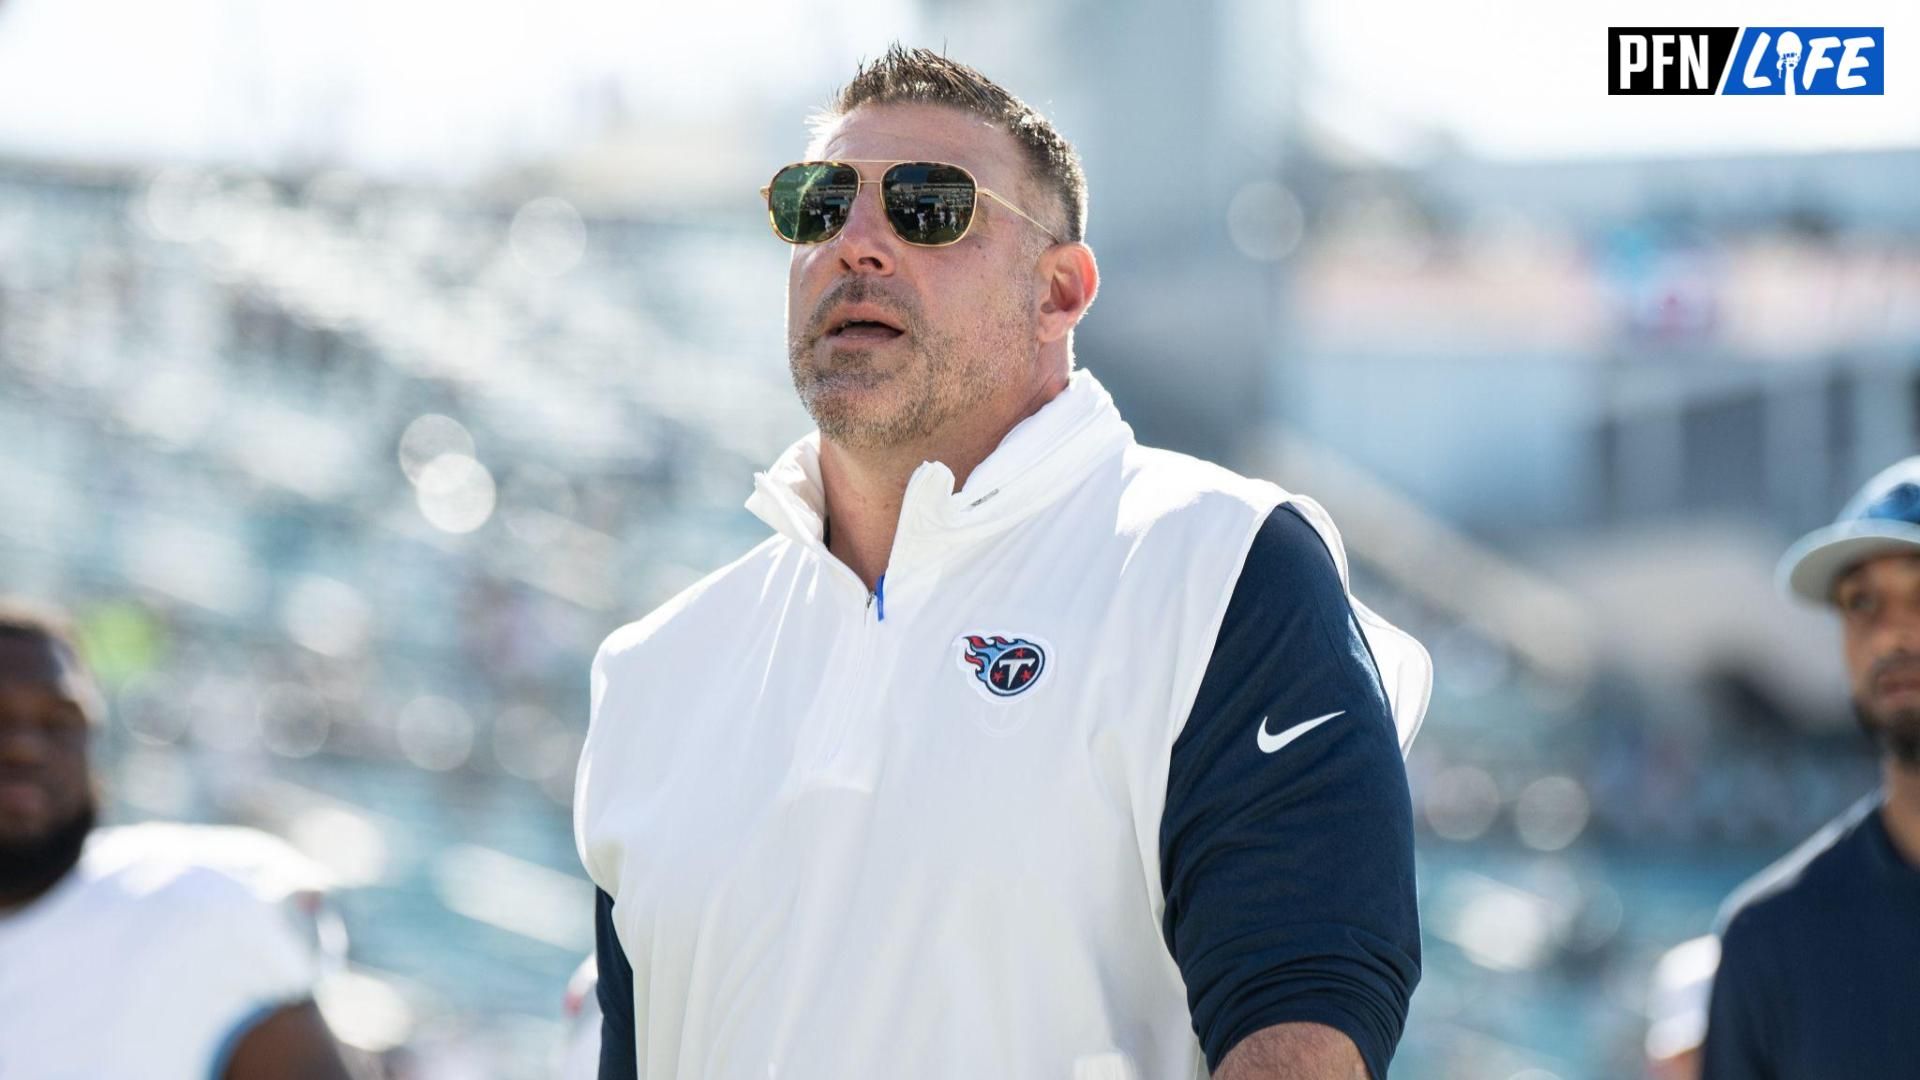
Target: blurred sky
{"points": [[448, 87], [1515, 79]]}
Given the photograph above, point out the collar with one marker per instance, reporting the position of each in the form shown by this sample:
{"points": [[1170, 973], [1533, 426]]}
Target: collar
{"points": [[1038, 461]]}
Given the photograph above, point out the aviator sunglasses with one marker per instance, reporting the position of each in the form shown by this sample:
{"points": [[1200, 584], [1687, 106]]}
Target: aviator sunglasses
{"points": [[928, 203]]}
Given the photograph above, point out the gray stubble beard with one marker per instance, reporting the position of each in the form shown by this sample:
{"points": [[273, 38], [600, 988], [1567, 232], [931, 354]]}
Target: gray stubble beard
{"points": [[947, 384]]}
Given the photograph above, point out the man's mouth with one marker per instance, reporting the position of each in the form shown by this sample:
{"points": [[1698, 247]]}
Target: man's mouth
{"points": [[1900, 675], [21, 797], [862, 323], [1904, 683], [864, 330]]}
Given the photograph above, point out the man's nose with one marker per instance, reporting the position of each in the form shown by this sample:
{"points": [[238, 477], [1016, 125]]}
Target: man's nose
{"points": [[866, 244], [1900, 630], [20, 743]]}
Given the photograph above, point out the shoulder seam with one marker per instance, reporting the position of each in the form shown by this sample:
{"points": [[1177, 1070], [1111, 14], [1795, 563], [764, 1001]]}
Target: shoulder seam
{"points": [[1190, 693]]}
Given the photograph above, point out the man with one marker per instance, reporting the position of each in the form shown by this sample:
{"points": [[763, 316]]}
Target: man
{"points": [[121, 956], [1019, 750], [1820, 954]]}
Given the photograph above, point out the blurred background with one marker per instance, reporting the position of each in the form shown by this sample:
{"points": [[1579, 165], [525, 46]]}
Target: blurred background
{"points": [[362, 365]]}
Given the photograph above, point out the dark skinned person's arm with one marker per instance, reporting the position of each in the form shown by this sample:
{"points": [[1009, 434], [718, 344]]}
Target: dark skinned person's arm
{"points": [[291, 1043]]}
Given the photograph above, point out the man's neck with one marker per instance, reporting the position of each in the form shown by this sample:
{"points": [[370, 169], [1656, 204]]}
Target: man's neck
{"points": [[1902, 809], [865, 489]]}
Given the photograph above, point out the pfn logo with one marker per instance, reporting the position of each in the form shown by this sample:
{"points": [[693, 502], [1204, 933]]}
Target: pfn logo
{"points": [[1786, 60], [1668, 59]]}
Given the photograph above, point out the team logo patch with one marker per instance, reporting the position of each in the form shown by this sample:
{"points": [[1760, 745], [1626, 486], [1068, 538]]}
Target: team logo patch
{"points": [[1004, 666]]}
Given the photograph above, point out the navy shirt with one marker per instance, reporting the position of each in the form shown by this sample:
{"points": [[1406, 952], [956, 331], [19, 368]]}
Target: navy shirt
{"points": [[1286, 845], [1288, 869], [1820, 962], [619, 1059]]}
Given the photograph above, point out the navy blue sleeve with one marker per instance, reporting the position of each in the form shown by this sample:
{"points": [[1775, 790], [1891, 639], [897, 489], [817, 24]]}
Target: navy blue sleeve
{"points": [[618, 1061], [1739, 1027], [1286, 847]]}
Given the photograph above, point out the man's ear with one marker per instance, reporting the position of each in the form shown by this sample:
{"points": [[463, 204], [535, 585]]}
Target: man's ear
{"points": [[1068, 280]]}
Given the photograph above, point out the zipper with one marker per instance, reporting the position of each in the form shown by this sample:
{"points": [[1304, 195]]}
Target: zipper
{"points": [[876, 594], [861, 677]]}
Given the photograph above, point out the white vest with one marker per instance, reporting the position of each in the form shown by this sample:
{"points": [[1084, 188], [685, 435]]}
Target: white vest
{"points": [[918, 834]]}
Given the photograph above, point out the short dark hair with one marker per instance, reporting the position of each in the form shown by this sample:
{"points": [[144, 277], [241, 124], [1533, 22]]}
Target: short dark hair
{"points": [[24, 619], [903, 76]]}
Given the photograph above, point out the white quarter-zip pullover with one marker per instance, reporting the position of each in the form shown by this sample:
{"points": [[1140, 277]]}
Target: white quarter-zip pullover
{"points": [[919, 831]]}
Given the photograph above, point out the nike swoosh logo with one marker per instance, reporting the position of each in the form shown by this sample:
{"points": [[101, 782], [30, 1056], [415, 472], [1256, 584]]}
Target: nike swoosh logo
{"points": [[1270, 743]]}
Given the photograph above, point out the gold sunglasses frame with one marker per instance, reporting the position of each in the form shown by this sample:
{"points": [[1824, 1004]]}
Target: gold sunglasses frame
{"points": [[978, 188]]}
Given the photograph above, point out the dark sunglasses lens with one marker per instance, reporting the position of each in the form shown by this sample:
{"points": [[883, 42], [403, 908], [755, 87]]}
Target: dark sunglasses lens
{"points": [[811, 201], [928, 203]]}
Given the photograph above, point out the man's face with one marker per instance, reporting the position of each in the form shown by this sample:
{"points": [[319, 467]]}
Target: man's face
{"points": [[46, 798], [966, 312], [1879, 602]]}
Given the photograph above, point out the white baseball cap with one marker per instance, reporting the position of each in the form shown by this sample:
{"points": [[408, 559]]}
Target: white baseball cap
{"points": [[1882, 518]]}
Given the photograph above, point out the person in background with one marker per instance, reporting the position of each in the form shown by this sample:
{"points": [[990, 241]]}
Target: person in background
{"points": [[579, 1051], [1677, 1008], [1820, 953], [136, 952]]}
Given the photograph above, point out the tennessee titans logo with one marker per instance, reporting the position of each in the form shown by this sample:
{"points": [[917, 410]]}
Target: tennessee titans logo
{"points": [[1005, 667]]}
